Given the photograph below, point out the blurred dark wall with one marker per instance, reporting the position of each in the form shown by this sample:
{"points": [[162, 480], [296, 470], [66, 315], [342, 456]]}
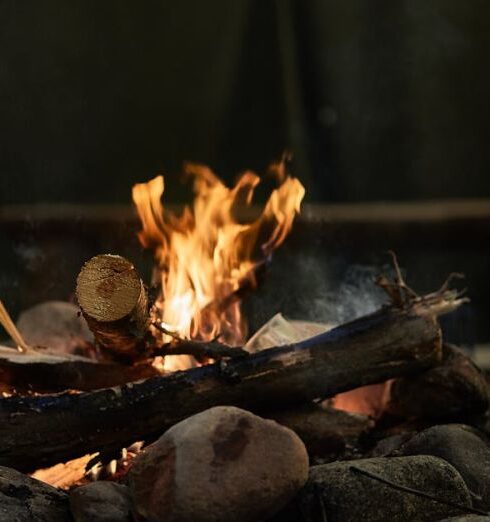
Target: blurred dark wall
{"points": [[377, 100]]}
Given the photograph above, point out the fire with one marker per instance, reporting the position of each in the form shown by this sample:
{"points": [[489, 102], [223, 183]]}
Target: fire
{"points": [[205, 254]]}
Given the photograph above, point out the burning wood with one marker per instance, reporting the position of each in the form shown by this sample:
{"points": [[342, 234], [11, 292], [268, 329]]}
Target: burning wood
{"points": [[205, 261], [374, 348], [328, 434], [455, 389], [41, 371]]}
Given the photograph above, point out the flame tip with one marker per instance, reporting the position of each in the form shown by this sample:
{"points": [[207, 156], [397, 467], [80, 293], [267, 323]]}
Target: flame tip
{"points": [[204, 255]]}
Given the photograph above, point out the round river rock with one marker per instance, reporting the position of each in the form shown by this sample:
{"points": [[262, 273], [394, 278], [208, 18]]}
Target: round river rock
{"points": [[219, 465]]}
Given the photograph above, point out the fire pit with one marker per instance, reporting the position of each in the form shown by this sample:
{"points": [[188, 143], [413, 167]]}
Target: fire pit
{"points": [[150, 400]]}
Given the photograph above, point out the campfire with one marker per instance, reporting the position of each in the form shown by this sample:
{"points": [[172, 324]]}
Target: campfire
{"points": [[150, 399]]}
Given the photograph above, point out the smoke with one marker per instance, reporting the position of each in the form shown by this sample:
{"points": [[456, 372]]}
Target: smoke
{"points": [[30, 255], [309, 287], [345, 299]]}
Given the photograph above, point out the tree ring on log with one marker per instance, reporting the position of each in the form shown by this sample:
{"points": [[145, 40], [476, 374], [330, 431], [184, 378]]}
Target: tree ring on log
{"points": [[114, 302]]}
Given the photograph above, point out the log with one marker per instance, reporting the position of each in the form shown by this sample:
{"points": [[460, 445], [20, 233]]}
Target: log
{"points": [[327, 433], [37, 371], [39, 431], [114, 303], [454, 391]]}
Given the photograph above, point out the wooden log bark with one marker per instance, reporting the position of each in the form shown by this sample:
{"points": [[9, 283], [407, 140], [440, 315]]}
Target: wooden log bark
{"points": [[453, 391], [38, 431], [36, 371], [327, 433], [114, 303]]}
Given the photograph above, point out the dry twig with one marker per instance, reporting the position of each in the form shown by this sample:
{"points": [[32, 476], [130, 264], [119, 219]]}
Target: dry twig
{"points": [[402, 296], [11, 329], [201, 350]]}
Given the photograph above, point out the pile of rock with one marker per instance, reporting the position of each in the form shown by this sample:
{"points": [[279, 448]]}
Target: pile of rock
{"points": [[226, 464], [220, 465]]}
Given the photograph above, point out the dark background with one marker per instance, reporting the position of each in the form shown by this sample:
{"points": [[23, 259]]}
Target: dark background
{"points": [[378, 100]]}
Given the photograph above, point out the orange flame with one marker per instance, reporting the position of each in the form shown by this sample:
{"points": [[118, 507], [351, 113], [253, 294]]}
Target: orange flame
{"points": [[205, 254]]}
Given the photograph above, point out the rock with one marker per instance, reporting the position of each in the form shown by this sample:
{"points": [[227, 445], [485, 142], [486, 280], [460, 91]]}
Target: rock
{"points": [[390, 445], [101, 501], [220, 465], [336, 493], [462, 446], [467, 518], [451, 390], [327, 433], [24, 499], [56, 325]]}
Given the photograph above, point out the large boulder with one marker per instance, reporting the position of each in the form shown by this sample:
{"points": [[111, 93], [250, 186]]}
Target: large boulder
{"points": [[24, 499], [340, 492], [467, 518], [462, 446], [101, 501], [219, 465]]}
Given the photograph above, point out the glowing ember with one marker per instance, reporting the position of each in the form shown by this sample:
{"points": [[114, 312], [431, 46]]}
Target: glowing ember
{"points": [[205, 254]]}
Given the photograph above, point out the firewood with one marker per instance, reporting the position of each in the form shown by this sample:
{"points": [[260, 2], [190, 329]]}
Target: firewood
{"points": [[390, 343], [39, 371], [455, 390], [114, 302], [327, 433], [11, 329]]}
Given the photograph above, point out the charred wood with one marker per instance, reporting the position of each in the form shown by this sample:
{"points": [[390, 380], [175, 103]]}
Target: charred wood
{"points": [[327, 433], [35, 371], [453, 390], [38, 431]]}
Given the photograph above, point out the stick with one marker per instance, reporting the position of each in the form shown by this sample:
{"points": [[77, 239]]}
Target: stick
{"points": [[40, 371], [35, 431], [201, 350], [11, 329], [441, 302]]}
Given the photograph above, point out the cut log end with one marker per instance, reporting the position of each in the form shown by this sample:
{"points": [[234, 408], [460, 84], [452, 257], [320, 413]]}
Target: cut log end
{"points": [[114, 302], [108, 288]]}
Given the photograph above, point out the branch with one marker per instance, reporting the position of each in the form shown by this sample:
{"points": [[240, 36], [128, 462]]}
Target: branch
{"points": [[40, 430]]}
